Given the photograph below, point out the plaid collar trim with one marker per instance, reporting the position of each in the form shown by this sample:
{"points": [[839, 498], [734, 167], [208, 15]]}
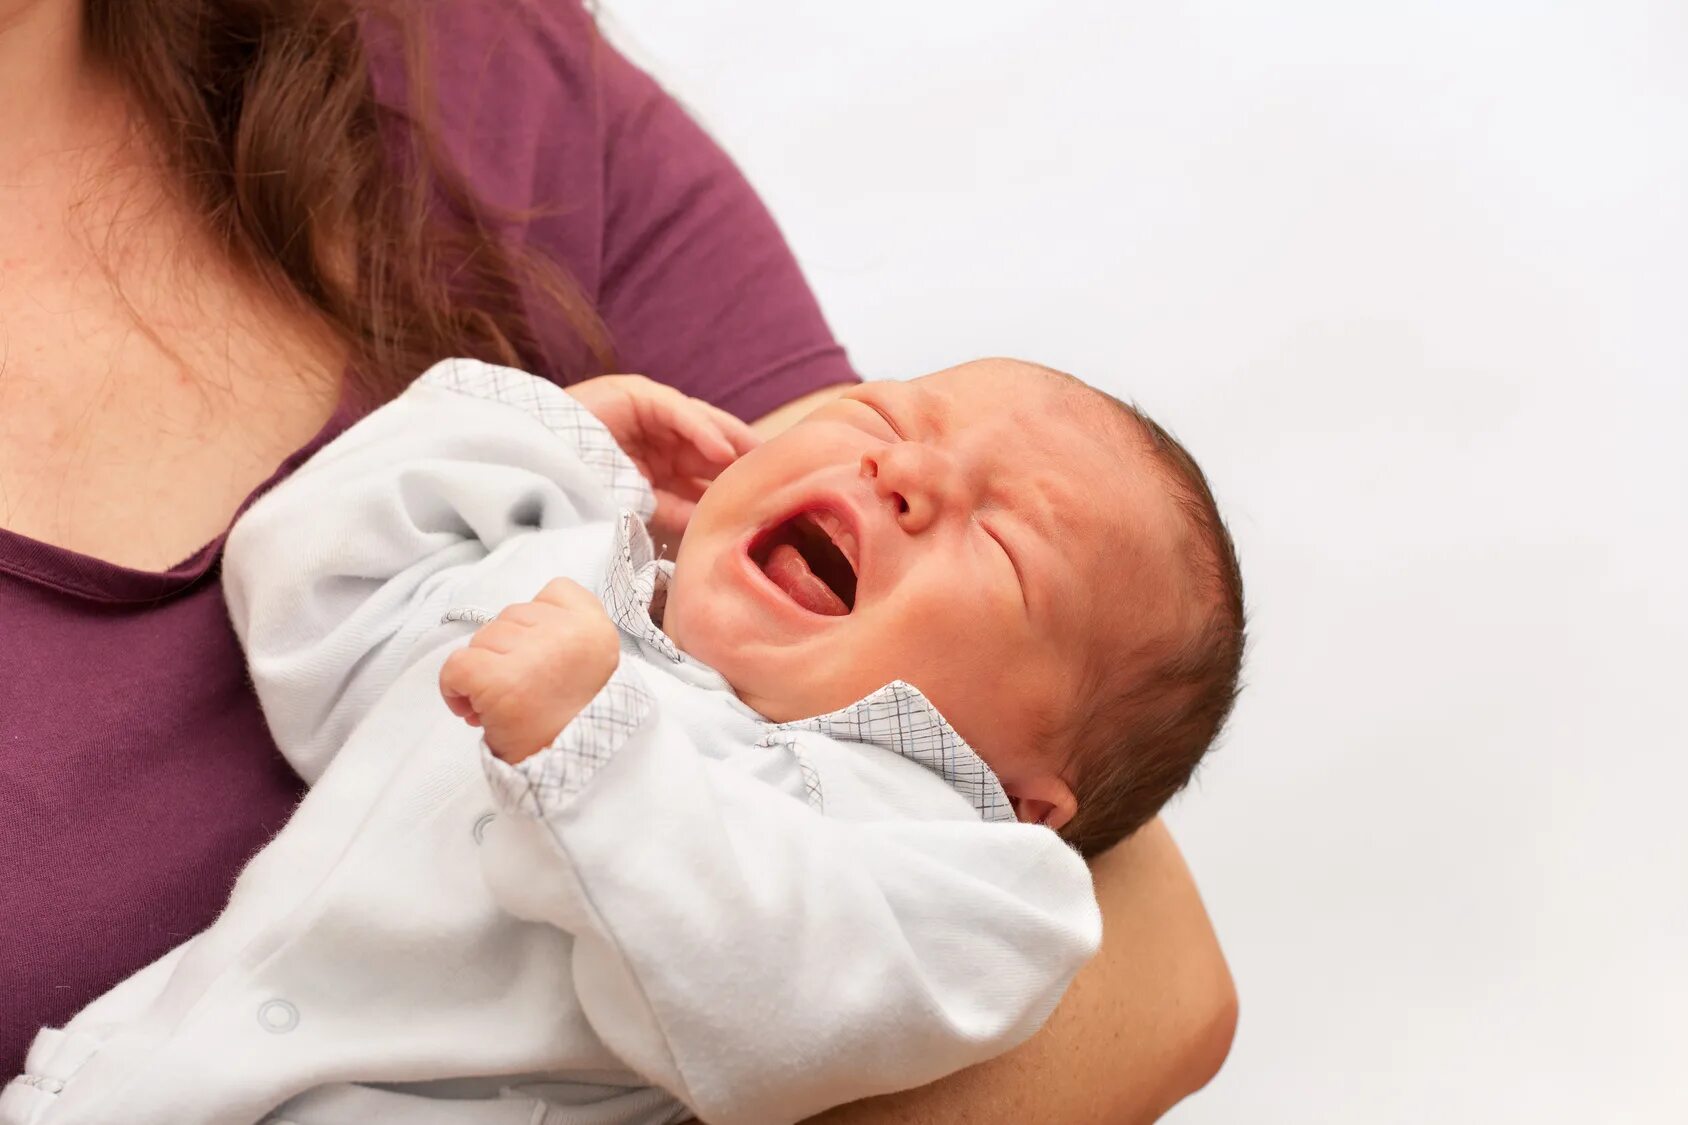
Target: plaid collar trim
{"points": [[556, 410], [636, 587], [900, 719]]}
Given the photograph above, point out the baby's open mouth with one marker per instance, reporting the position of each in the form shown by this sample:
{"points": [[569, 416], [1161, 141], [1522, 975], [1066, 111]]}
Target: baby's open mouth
{"points": [[810, 557]]}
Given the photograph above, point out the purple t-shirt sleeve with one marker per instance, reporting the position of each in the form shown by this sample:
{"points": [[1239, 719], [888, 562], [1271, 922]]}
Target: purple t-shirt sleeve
{"points": [[699, 288], [607, 175]]}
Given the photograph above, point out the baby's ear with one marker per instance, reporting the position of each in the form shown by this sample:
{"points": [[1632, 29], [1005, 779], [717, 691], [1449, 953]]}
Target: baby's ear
{"points": [[1044, 799]]}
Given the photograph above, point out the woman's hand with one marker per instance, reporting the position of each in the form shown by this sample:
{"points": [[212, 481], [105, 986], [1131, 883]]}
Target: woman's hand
{"points": [[526, 674], [679, 444]]}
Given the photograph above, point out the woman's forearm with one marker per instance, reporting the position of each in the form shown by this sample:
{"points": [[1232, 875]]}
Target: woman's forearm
{"points": [[1147, 1023]]}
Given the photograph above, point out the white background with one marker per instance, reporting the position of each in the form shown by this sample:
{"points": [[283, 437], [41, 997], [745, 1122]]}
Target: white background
{"points": [[1412, 282]]}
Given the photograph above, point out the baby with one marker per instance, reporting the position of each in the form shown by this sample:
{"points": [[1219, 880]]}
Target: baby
{"points": [[775, 828]]}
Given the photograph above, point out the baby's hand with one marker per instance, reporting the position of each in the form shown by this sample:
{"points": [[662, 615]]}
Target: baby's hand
{"points": [[527, 673], [678, 443]]}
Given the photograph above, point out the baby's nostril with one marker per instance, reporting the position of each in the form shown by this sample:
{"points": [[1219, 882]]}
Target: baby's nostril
{"points": [[902, 505]]}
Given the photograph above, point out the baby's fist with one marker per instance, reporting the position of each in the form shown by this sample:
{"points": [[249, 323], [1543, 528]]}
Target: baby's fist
{"points": [[526, 674]]}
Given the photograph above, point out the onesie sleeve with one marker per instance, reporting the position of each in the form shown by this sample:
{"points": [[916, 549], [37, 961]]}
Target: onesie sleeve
{"points": [[763, 961], [338, 578]]}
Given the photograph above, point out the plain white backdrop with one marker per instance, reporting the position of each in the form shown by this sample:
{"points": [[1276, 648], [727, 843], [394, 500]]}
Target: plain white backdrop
{"points": [[1412, 282]]}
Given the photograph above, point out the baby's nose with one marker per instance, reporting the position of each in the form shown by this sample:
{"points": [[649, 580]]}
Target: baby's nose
{"points": [[921, 483]]}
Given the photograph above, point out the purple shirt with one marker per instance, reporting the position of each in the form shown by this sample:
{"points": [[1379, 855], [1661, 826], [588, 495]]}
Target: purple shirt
{"points": [[136, 773]]}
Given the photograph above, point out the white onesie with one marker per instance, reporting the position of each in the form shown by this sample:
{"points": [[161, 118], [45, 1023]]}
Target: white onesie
{"points": [[677, 908]]}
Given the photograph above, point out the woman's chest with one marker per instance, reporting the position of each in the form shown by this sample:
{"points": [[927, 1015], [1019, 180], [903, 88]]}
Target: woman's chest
{"points": [[114, 447], [147, 384]]}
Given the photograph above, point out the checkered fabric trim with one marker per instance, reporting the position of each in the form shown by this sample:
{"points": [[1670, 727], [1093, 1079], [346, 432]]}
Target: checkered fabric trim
{"points": [[557, 412], [811, 780], [812, 795], [636, 584], [899, 718], [550, 779]]}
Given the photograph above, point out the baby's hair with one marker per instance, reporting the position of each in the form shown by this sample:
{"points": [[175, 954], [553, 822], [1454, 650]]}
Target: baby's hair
{"points": [[1146, 716]]}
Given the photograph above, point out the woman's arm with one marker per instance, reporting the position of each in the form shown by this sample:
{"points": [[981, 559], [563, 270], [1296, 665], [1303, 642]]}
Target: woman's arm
{"points": [[1146, 1024]]}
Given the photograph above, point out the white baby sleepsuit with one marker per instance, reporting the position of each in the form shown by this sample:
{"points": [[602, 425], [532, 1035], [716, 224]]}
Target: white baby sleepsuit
{"points": [[677, 908]]}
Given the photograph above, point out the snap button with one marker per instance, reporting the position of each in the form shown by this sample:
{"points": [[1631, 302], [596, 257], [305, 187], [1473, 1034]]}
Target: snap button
{"points": [[480, 825], [41, 1082], [277, 1016]]}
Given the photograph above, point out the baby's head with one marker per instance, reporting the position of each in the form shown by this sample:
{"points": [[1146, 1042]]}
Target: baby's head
{"points": [[1042, 561]]}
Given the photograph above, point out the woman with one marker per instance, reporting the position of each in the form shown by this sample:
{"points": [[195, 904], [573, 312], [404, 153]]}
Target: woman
{"points": [[222, 238]]}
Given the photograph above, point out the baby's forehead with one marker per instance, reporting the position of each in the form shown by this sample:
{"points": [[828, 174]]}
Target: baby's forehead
{"points": [[1091, 461], [1005, 376], [1122, 527], [1075, 442], [1009, 393]]}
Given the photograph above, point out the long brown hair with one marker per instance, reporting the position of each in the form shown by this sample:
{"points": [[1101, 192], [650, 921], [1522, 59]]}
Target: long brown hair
{"points": [[265, 112]]}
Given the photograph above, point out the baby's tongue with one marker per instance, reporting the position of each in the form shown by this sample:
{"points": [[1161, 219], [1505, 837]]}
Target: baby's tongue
{"points": [[791, 573]]}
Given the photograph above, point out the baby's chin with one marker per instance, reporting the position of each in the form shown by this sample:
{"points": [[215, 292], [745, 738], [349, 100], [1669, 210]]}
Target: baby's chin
{"points": [[753, 671]]}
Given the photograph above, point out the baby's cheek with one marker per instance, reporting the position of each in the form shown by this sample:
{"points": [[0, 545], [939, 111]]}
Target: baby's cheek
{"points": [[965, 653]]}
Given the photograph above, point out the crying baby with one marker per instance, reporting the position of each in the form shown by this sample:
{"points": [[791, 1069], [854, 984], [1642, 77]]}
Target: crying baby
{"points": [[791, 822]]}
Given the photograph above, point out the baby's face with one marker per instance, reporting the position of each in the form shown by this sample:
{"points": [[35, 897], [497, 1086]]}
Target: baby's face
{"points": [[972, 532]]}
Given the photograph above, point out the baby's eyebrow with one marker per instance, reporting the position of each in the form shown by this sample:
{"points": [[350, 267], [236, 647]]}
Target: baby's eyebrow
{"points": [[928, 408], [872, 395]]}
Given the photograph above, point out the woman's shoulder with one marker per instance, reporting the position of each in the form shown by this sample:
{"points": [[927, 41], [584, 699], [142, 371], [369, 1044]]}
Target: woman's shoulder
{"points": [[514, 91], [581, 155]]}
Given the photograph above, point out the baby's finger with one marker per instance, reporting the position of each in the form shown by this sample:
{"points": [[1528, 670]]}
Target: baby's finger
{"points": [[691, 422], [686, 463], [462, 677], [737, 432], [673, 513], [526, 614], [565, 593], [499, 636], [457, 704], [686, 487], [463, 709]]}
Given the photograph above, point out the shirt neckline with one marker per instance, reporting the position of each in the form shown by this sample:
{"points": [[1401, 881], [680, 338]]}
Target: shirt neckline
{"points": [[100, 580]]}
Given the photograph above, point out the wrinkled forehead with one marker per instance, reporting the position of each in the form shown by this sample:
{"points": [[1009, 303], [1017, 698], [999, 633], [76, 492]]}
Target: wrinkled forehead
{"points": [[1054, 409], [1085, 466], [1073, 440]]}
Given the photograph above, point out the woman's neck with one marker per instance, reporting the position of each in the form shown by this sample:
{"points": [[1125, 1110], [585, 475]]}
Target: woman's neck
{"points": [[54, 98]]}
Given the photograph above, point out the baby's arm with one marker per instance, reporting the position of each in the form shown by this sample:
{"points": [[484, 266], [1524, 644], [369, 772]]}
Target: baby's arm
{"points": [[524, 676], [337, 579], [757, 959]]}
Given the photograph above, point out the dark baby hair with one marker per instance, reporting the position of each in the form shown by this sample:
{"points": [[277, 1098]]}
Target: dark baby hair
{"points": [[1144, 723]]}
